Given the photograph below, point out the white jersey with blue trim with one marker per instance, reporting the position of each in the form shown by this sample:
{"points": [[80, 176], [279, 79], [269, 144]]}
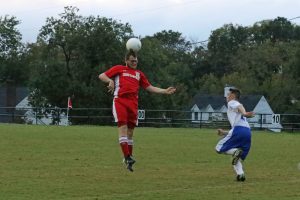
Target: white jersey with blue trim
{"points": [[234, 116]]}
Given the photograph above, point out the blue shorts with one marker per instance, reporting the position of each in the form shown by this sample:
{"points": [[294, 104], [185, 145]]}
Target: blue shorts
{"points": [[238, 137]]}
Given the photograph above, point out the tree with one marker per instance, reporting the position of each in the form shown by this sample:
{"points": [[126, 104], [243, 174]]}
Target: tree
{"points": [[210, 84], [71, 52], [12, 61], [223, 43], [261, 62], [168, 52], [279, 29], [10, 42], [200, 64], [173, 41]]}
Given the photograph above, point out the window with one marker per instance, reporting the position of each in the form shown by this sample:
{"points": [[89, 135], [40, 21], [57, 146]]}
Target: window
{"points": [[196, 116]]}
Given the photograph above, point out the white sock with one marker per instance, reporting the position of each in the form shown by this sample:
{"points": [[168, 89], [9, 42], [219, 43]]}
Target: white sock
{"points": [[123, 139], [238, 167], [130, 141], [231, 151]]}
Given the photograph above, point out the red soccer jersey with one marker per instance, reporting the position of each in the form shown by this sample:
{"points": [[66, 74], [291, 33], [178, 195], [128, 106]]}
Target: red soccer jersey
{"points": [[127, 80]]}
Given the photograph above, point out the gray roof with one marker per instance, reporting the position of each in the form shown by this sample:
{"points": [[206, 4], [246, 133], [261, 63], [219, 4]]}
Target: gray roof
{"points": [[203, 100], [11, 96], [250, 101], [217, 101]]}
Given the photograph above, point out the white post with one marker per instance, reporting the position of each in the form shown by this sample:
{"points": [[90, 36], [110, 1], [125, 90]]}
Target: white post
{"points": [[68, 108], [67, 116]]}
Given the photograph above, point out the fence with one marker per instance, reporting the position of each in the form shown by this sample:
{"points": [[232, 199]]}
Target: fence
{"points": [[147, 118]]}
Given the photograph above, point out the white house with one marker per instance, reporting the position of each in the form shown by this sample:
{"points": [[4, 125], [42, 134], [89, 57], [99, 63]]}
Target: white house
{"points": [[30, 116], [206, 108], [264, 121]]}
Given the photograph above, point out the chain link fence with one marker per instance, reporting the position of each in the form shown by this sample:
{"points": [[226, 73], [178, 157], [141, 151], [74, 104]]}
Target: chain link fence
{"points": [[147, 118]]}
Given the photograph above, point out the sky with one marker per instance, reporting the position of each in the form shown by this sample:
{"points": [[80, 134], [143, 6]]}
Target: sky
{"points": [[195, 19]]}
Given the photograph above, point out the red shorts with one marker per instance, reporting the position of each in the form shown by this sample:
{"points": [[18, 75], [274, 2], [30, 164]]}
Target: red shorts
{"points": [[125, 111]]}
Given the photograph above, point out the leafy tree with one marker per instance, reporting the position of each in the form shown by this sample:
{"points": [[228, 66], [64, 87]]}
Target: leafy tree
{"points": [[210, 84], [200, 62], [293, 67], [246, 83], [12, 61], [168, 52], [279, 29], [173, 41], [153, 60], [260, 62], [10, 42], [71, 52], [279, 92], [223, 43]]}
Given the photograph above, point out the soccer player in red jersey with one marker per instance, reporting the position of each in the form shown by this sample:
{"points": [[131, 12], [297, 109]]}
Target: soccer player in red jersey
{"points": [[124, 82]]}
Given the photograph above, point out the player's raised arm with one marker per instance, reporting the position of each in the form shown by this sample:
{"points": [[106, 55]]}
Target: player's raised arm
{"points": [[244, 113], [169, 90]]}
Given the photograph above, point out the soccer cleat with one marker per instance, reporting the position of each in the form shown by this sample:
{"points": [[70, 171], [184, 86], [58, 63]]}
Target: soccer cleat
{"points": [[129, 161], [241, 177], [236, 156], [129, 167]]}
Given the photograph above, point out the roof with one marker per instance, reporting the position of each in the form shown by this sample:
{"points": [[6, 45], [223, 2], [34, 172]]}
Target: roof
{"points": [[203, 100], [217, 101], [11, 96], [250, 101]]}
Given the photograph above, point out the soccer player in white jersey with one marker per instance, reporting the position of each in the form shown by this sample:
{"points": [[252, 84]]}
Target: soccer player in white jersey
{"points": [[237, 141]]}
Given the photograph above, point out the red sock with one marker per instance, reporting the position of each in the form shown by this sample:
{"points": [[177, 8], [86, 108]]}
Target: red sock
{"points": [[130, 149], [124, 146], [130, 146]]}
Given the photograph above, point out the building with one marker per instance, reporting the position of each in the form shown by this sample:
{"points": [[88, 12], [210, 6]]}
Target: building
{"points": [[10, 96], [206, 108], [15, 108], [30, 116]]}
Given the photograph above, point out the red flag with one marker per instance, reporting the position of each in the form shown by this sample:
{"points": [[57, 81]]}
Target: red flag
{"points": [[69, 103]]}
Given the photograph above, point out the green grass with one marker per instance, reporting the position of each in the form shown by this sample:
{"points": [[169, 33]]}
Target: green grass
{"points": [[83, 162]]}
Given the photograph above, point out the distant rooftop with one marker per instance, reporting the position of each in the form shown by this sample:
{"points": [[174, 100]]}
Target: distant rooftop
{"points": [[11, 96], [217, 101]]}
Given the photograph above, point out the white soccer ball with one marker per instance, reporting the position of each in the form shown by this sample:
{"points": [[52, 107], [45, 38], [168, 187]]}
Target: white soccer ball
{"points": [[134, 44]]}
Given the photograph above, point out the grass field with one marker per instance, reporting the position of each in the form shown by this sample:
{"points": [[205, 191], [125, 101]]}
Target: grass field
{"points": [[83, 162]]}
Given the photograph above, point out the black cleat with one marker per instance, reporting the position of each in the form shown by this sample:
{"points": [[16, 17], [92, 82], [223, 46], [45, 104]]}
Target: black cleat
{"points": [[236, 156], [241, 177], [129, 167], [129, 161]]}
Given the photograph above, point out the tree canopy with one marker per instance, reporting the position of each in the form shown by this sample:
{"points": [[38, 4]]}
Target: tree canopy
{"points": [[12, 60], [72, 50]]}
